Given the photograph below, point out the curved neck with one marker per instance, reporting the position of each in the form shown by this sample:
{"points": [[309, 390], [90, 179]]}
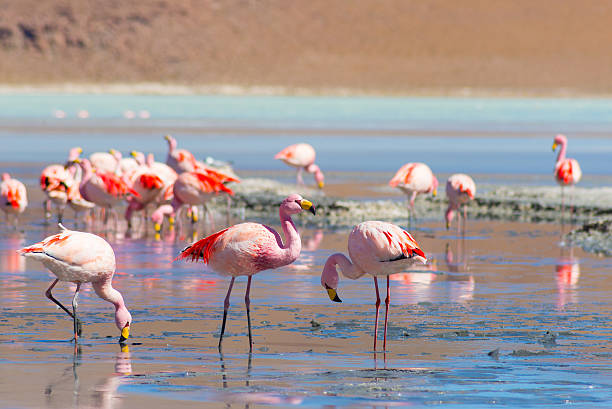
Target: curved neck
{"points": [[561, 155], [330, 277], [105, 290], [87, 173], [293, 244]]}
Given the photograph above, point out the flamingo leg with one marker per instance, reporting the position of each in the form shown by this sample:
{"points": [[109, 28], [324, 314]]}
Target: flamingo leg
{"points": [[386, 314], [75, 319], [225, 308], [50, 296], [247, 302], [464, 217], [47, 209], [300, 181], [377, 308]]}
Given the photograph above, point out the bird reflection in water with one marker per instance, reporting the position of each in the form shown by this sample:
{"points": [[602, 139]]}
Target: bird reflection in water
{"points": [[249, 398], [105, 392], [13, 282]]}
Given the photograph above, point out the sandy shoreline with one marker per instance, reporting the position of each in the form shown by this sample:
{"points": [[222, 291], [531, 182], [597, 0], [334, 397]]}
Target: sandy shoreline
{"points": [[158, 88]]}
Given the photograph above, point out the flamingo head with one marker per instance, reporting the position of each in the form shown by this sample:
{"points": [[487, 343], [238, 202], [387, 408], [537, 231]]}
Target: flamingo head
{"points": [[5, 176], [434, 187], [116, 154], [74, 154], [329, 279], [560, 139], [139, 157], [171, 142], [123, 319], [448, 216], [295, 204], [318, 175]]}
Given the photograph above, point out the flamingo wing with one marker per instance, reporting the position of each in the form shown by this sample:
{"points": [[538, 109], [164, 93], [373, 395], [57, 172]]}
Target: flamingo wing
{"points": [[402, 176]]}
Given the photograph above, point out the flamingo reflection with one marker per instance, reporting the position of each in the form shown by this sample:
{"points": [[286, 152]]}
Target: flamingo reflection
{"points": [[567, 274]]}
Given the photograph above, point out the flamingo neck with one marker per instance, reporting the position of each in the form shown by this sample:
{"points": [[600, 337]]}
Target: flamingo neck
{"points": [[105, 290], [450, 212], [87, 174], [293, 244], [330, 278], [561, 155]]}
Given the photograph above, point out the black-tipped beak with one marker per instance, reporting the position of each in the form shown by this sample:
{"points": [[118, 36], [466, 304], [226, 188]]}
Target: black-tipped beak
{"points": [[312, 210], [333, 295], [307, 205], [125, 334]]}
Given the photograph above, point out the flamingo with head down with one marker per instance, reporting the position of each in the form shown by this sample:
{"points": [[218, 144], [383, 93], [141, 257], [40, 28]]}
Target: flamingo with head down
{"points": [[414, 179], [80, 257], [246, 249], [375, 248], [181, 160], [302, 157], [460, 189], [14, 194]]}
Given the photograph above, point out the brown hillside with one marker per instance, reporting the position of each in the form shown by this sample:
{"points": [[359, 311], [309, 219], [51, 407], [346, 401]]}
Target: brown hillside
{"points": [[388, 46]]}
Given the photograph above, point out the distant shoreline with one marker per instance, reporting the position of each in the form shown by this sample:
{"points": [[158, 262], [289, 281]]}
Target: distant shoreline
{"points": [[153, 88]]}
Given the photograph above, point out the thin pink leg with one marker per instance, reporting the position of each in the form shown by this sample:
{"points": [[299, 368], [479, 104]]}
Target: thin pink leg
{"points": [[225, 308], [377, 308], [386, 315], [247, 302], [300, 181]]}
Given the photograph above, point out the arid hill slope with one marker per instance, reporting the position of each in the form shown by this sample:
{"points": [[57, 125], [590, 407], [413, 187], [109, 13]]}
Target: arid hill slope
{"points": [[375, 46]]}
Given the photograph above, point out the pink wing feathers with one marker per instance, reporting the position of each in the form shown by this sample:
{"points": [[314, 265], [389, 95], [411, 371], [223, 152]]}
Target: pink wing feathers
{"points": [[402, 175]]}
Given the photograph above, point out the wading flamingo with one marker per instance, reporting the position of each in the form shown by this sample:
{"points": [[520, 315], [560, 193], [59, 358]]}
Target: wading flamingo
{"points": [[105, 189], [14, 194], [567, 171], [414, 179], [104, 161], [80, 257], [55, 181], [376, 248], [248, 248], [460, 189], [181, 160], [302, 157]]}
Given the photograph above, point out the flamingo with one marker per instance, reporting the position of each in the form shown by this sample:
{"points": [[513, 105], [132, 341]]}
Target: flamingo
{"points": [[181, 160], [124, 165], [149, 186], [55, 181], [80, 257], [248, 248], [197, 188], [14, 194], [302, 157], [376, 248], [104, 161], [414, 179], [105, 189], [567, 171], [460, 189]]}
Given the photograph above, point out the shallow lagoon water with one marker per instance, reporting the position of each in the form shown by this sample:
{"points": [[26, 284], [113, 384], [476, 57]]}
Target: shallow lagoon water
{"points": [[502, 315]]}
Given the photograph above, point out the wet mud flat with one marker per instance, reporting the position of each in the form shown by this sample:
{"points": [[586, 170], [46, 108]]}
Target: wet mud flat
{"points": [[502, 314]]}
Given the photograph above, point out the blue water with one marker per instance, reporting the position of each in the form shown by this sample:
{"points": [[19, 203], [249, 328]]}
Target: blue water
{"points": [[476, 136]]}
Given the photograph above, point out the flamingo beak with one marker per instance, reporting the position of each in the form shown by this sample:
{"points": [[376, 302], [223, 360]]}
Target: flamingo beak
{"points": [[435, 192], [77, 160], [307, 205], [157, 228], [447, 225], [167, 137], [133, 153], [554, 146], [125, 348], [321, 184], [333, 295], [125, 333]]}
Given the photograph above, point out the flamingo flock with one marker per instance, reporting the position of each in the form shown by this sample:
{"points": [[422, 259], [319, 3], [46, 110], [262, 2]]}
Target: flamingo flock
{"points": [[107, 180]]}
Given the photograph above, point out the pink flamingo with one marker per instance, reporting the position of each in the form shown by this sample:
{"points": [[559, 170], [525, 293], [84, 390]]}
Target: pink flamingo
{"points": [[460, 189], [302, 157], [248, 248], [197, 188], [104, 161], [376, 248], [414, 179], [181, 160], [567, 171], [14, 194], [105, 189], [55, 182], [80, 257]]}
